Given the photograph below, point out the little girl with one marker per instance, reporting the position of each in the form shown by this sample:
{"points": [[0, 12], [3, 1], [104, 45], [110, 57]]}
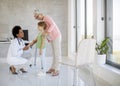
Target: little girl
{"points": [[41, 42]]}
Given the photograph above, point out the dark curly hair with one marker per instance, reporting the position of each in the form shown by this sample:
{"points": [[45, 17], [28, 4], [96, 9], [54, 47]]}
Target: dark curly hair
{"points": [[15, 31]]}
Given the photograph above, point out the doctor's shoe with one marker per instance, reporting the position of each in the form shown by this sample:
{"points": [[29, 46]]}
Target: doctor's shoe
{"points": [[13, 70], [22, 70]]}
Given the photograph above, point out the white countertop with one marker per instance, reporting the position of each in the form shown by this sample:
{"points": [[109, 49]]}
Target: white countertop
{"points": [[8, 42], [5, 42]]}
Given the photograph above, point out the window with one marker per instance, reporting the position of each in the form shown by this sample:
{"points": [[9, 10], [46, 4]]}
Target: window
{"points": [[80, 23], [113, 31], [84, 19]]}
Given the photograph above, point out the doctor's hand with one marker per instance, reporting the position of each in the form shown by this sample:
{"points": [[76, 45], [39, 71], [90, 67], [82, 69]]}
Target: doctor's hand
{"points": [[26, 48]]}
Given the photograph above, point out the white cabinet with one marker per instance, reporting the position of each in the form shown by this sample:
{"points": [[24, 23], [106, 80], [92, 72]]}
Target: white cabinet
{"points": [[4, 46]]}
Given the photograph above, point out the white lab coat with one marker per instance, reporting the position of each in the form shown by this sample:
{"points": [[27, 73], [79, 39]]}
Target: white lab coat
{"points": [[16, 54]]}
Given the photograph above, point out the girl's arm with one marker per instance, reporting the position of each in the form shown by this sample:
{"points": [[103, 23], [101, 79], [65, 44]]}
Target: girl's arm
{"points": [[32, 43]]}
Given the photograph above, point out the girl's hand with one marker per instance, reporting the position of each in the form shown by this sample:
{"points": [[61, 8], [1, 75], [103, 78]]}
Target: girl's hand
{"points": [[26, 48], [31, 44]]}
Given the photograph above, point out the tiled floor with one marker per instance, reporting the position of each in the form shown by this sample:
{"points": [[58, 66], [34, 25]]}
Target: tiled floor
{"points": [[32, 79]]}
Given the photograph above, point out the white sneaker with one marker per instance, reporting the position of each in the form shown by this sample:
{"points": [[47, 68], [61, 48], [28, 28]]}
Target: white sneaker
{"points": [[41, 74]]}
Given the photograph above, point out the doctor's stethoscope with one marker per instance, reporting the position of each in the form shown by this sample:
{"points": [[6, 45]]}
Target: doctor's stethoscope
{"points": [[20, 41]]}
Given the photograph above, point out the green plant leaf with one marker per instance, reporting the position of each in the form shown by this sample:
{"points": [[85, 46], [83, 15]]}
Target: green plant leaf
{"points": [[102, 48]]}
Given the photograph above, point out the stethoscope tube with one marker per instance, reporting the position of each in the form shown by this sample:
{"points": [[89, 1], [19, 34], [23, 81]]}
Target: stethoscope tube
{"points": [[19, 41]]}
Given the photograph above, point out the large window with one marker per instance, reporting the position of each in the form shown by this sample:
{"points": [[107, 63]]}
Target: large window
{"points": [[84, 19], [80, 23], [113, 31]]}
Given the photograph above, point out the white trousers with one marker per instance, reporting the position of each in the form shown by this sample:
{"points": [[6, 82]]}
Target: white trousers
{"points": [[26, 56], [19, 60], [42, 58], [56, 47]]}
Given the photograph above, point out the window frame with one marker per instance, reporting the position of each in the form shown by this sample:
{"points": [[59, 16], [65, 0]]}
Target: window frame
{"points": [[107, 28]]}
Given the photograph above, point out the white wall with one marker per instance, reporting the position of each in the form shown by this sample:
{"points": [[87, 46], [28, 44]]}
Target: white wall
{"points": [[20, 12]]}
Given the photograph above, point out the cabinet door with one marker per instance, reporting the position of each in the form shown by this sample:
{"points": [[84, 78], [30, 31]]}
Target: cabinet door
{"points": [[4, 49]]}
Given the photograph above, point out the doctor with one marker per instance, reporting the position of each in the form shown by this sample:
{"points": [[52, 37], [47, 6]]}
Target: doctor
{"points": [[17, 52]]}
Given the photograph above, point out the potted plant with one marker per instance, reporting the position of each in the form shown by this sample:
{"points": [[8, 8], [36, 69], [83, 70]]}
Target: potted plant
{"points": [[102, 50]]}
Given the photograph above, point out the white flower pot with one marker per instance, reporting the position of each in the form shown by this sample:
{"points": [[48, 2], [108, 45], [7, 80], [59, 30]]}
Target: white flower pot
{"points": [[101, 59]]}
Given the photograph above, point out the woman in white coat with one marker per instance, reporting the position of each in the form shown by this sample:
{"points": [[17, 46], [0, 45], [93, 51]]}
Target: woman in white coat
{"points": [[17, 50]]}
